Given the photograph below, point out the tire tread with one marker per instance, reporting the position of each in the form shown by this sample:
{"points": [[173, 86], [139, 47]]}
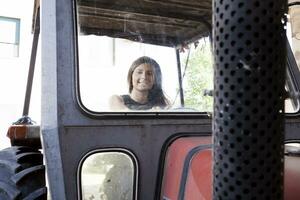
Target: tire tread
{"points": [[22, 174]]}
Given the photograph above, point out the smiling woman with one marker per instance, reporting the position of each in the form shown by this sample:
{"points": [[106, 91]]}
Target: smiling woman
{"points": [[145, 87]]}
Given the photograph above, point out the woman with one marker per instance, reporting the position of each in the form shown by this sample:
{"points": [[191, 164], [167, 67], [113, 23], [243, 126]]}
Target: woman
{"points": [[145, 90]]}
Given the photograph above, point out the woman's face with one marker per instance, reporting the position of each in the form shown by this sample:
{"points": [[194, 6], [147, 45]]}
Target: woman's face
{"points": [[143, 77]]}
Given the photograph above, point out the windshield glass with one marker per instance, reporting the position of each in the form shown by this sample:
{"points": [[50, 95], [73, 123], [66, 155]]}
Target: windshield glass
{"points": [[105, 64], [143, 59]]}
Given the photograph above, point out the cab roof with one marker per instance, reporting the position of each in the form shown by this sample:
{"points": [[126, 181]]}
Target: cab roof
{"points": [[161, 22]]}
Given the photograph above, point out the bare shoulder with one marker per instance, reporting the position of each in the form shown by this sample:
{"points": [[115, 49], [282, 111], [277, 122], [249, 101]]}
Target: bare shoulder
{"points": [[116, 103], [116, 98]]}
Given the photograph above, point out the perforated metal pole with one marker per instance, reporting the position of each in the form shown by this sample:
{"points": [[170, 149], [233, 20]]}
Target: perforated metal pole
{"points": [[250, 55]]}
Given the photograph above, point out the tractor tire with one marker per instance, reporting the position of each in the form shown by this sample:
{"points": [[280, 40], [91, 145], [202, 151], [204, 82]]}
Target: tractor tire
{"points": [[22, 174]]}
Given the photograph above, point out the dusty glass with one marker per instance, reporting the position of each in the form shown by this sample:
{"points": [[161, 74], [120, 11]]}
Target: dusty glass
{"points": [[107, 176]]}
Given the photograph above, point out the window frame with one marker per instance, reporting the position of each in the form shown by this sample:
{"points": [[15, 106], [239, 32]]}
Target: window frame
{"points": [[122, 115], [292, 78]]}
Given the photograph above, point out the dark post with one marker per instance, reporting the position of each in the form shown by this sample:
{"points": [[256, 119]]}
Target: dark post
{"points": [[179, 77], [250, 56], [32, 64]]}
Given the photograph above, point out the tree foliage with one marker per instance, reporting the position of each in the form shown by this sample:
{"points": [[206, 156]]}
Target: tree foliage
{"points": [[198, 76]]}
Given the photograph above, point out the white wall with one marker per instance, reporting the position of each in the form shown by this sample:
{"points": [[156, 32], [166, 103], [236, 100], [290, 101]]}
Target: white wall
{"points": [[13, 71]]}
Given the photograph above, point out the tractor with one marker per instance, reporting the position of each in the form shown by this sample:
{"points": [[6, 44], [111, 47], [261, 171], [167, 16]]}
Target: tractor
{"points": [[231, 130]]}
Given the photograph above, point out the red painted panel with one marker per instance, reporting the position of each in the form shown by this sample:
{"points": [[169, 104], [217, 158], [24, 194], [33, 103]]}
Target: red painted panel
{"points": [[292, 178], [174, 163], [199, 180]]}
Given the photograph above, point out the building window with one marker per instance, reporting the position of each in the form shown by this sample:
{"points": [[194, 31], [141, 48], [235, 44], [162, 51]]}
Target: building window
{"points": [[9, 37]]}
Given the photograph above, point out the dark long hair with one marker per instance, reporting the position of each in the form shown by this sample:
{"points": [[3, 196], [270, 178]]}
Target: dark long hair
{"points": [[156, 94]]}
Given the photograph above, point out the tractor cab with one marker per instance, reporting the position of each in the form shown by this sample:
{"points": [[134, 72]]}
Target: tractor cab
{"points": [[148, 99]]}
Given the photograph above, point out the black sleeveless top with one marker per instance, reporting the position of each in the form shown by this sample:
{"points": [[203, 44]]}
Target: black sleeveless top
{"points": [[133, 105]]}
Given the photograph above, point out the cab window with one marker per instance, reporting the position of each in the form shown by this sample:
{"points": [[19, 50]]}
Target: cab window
{"points": [[107, 175], [113, 43], [104, 65]]}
